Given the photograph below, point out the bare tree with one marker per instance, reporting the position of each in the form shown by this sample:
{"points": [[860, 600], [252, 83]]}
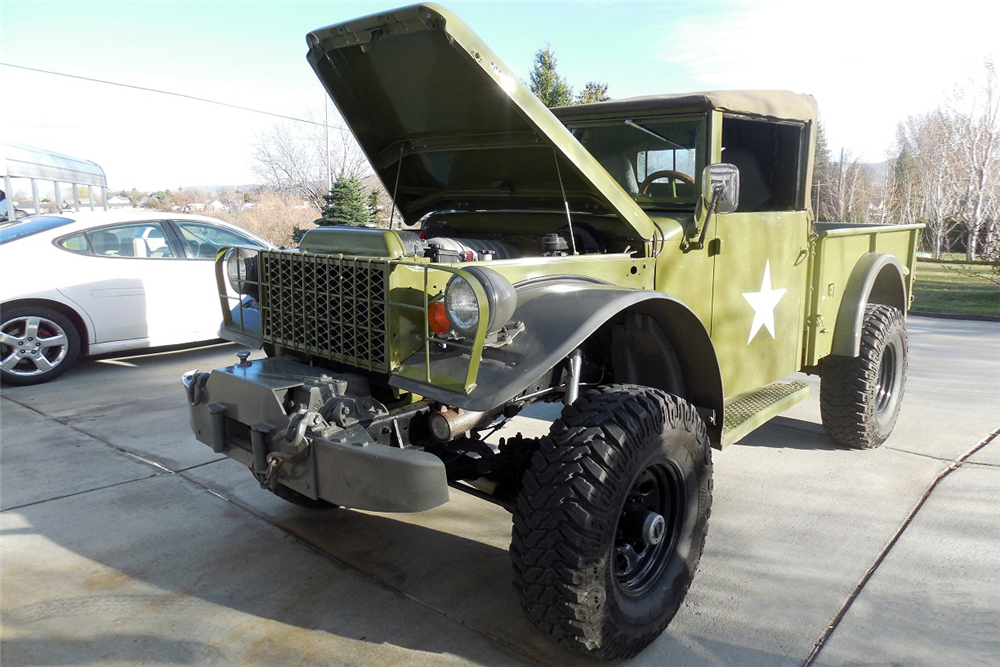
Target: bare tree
{"points": [[947, 167], [929, 142], [271, 215], [975, 111], [292, 159], [848, 192]]}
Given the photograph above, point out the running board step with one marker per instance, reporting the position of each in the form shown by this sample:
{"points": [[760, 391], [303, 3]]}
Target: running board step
{"points": [[753, 410]]}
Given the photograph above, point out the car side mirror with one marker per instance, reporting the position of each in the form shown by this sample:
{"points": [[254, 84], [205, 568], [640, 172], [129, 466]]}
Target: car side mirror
{"points": [[720, 184]]}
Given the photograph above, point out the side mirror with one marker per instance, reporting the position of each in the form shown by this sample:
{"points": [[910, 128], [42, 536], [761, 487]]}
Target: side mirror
{"points": [[721, 182]]}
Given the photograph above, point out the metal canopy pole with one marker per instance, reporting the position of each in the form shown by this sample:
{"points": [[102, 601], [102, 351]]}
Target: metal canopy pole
{"points": [[10, 196]]}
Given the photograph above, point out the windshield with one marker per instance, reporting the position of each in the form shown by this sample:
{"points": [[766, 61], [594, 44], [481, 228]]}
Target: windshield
{"points": [[656, 161], [29, 226]]}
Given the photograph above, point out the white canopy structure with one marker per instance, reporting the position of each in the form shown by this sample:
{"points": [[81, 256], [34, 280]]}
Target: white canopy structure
{"points": [[38, 164]]}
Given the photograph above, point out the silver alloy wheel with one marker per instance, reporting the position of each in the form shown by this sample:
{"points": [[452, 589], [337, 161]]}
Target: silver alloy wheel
{"points": [[32, 345]]}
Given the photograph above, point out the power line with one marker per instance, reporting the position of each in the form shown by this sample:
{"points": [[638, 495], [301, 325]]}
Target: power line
{"points": [[166, 92]]}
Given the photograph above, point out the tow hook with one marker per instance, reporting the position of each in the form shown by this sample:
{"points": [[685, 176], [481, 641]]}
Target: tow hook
{"points": [[277, 459], [295, 435], [194, 385]]}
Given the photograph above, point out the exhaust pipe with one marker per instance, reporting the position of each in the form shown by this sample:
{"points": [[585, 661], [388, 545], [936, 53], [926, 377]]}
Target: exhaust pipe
{"points": [[451, 423]]}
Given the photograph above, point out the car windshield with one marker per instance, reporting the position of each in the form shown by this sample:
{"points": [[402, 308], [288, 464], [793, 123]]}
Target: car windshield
{"points": [[29, 226], [657, 161]]}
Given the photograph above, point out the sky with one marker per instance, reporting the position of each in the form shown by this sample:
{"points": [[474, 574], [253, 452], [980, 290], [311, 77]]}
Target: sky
{"points": [[869, 64]]}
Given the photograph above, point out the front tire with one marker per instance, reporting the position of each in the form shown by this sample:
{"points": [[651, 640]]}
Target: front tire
{"points": [[37, 344], [612, 519], [860, 396]]}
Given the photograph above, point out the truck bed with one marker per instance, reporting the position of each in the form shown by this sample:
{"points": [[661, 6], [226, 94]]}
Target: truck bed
{"points": [[837, 249]]}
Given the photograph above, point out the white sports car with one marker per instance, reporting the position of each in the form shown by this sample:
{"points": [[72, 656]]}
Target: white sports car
{"points": [[104, 281]]}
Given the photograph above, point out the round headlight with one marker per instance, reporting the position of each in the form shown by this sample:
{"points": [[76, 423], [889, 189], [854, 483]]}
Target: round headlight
{"points": [[462, 306], [241, 270]]}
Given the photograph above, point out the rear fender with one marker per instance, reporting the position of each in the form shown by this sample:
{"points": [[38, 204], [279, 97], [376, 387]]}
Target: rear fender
{"points": [[876, 278]]}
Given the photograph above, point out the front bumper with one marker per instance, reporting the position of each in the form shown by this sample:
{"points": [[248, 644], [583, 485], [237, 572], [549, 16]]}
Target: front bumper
{"points": [[242, 411]]}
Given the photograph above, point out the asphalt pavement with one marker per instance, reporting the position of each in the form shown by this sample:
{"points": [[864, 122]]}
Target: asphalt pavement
{"points": [[124, 541]]}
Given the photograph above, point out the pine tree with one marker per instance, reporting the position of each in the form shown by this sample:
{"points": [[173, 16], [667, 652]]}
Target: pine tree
{"points": [[822, 173], [345, 204], [594, 91], [546, 83]]}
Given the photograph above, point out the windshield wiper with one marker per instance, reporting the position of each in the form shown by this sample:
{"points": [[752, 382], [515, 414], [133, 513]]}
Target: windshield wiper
{"points": [[632, 123]]}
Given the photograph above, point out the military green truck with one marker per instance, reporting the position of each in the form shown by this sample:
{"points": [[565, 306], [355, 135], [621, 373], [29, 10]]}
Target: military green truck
{"points": [[650, 263]]}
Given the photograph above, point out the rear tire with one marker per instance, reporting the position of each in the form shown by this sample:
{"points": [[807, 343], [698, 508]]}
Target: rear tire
{"points": [[860, 396], [588, 566], [37, 344]]}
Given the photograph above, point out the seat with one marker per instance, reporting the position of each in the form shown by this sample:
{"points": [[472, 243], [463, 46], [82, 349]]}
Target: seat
{"points": [[105, 243], [620, 168], [134, 247], [755, 193]]}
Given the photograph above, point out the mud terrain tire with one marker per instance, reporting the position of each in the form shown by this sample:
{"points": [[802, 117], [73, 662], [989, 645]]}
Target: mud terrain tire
{"points": [[860, 396], [583, 571]]}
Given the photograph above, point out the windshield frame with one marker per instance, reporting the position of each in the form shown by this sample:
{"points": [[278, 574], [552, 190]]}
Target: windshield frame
{"points": [[651, 127]]}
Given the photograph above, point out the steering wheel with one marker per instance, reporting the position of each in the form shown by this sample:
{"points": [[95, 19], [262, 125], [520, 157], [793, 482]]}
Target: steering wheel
{"points": [[665, 173]]}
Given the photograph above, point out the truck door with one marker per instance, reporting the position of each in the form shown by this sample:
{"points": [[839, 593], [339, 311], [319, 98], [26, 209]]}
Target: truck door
{"points": [[761, 255]]}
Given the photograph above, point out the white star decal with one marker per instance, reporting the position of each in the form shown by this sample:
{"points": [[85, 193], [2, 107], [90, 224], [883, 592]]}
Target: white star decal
{"points": [[763, 304]]}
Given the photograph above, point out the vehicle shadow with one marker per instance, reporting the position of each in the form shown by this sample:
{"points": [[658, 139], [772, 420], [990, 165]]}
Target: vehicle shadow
{"points": [[146, 556], [790, 433]]}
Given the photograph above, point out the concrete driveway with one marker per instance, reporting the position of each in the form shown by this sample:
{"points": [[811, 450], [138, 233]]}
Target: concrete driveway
{"points": [[125, 541]]}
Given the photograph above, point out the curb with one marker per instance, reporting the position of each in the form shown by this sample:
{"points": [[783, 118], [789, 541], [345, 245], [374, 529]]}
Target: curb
{"points": [[956, 316]]}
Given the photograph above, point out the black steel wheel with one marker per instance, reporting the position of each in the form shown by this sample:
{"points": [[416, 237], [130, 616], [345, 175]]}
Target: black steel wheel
{"points": [[37, 344], [612, 519], [860, 396]]}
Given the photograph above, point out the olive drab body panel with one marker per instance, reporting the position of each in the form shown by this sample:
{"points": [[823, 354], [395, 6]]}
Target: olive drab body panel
{"points": [[654, 257]]}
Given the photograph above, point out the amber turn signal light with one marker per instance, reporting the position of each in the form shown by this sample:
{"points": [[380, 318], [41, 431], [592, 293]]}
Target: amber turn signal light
{"points": [[437, 318]]}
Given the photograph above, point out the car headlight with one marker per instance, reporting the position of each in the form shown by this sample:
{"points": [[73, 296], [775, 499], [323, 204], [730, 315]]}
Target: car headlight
{"points": [[241, 270], [462, 306]]}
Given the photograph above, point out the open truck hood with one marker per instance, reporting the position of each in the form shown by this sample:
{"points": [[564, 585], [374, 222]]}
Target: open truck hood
{"points": [[447, 126]]}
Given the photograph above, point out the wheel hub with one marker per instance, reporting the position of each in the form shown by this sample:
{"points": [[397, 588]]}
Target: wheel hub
{"points": [[31, 345], [648, 528], [885, 388]]}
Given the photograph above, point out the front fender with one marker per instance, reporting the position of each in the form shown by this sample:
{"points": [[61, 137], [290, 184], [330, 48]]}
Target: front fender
{"points": [[558, 316]]}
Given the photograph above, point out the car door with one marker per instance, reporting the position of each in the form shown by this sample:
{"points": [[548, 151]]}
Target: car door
{"points": [[761, 256], [127, 282], [201, 241]]}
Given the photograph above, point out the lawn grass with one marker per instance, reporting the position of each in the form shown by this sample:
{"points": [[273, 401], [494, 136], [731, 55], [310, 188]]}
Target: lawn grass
{"points": [[953, 285]]}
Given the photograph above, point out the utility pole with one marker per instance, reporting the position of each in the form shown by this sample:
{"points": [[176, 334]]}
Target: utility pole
{"points": [[840, 188], [326, 127]]}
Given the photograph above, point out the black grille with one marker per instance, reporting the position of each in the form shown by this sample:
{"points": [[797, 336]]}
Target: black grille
{"points": [[331, 307]]}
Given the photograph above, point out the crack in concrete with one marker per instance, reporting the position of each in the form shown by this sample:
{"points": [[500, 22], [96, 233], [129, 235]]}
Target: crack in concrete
{"points": [[946, 459], [859, 587], [67, 422], [80, 493]]}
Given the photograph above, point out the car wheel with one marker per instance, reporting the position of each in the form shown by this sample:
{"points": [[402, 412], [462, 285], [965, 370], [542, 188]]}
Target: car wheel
{"points": [[612, 519], [37, 344], [860, 396]]}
